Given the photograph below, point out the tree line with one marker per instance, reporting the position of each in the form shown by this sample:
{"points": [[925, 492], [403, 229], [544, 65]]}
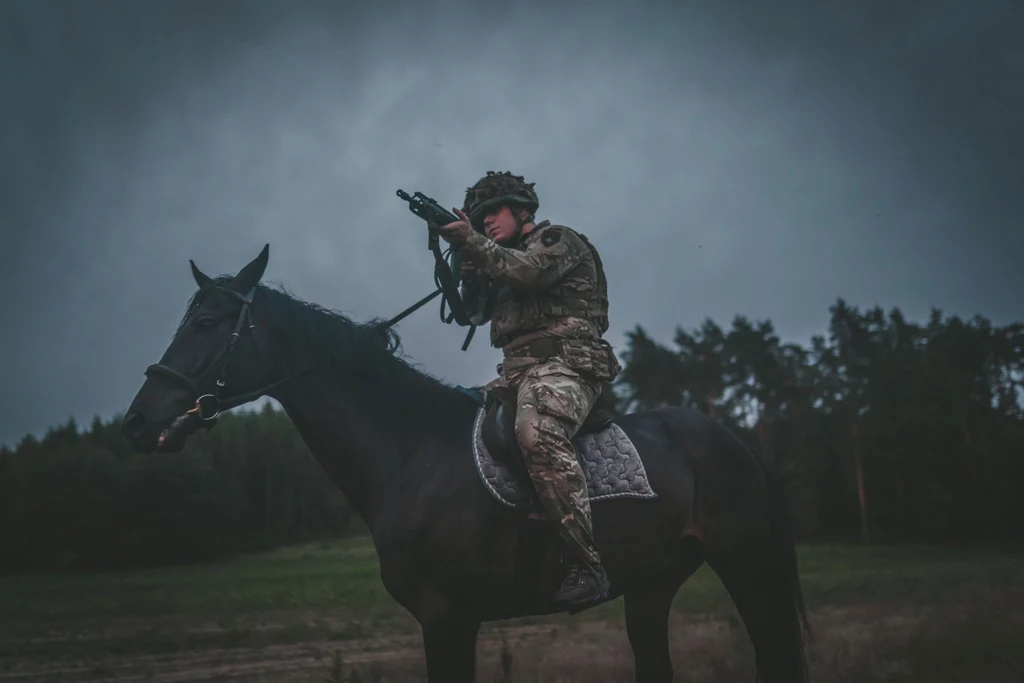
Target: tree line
{"points": [[82, 499], [882, 430]]}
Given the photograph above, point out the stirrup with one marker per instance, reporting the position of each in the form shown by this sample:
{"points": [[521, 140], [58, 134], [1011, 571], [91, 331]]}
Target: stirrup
{"points": [[601, 581]]}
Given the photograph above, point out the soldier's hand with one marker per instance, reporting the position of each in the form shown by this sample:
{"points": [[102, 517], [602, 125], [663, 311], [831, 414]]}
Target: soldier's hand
{"points": [[455, 233]]}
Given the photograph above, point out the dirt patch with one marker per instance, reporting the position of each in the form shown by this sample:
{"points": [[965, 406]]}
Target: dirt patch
{"points": [[861, 642]]}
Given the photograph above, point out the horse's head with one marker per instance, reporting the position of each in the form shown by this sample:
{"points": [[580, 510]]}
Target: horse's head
{"points": [[212, 363]]}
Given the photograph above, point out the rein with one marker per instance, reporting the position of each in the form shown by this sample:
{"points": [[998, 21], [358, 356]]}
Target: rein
{"points": [[210, 405], [446, 286]]}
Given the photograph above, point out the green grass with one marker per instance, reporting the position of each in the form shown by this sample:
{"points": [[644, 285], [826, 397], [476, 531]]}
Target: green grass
{"points": [[848, 574], [340, 575], [344, 577], [332, 592]]}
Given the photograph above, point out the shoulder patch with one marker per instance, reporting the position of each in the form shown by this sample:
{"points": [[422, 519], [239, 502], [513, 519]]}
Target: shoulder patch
{"points": [[550, 237]]}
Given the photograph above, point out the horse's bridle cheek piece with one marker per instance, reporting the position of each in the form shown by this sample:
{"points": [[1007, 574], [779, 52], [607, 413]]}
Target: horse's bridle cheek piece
{"points": [[209, 406]]}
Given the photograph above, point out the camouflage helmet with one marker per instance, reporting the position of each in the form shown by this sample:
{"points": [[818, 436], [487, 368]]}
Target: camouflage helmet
{"points": [[495, 189]]}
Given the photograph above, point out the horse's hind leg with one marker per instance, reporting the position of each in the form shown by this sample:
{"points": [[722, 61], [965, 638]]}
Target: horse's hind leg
{"points": [[647, 612], [765, 603]]}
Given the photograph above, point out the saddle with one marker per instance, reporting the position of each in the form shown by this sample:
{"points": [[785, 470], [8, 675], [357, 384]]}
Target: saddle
{"points": [[498, 428], [610, 462]]}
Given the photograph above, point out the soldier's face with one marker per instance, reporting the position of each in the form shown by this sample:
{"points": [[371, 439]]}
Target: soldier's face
{"points": [[501, 225]]}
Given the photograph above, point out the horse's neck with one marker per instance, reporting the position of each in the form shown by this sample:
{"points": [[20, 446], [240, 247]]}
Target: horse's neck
{"points": [[366, 439]]}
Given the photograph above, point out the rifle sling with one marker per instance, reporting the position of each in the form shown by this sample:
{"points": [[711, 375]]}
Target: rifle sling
{"points": [[447, 285]]}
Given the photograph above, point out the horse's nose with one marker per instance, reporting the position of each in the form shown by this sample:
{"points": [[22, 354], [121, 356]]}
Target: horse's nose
{"points": [[133, 424]]}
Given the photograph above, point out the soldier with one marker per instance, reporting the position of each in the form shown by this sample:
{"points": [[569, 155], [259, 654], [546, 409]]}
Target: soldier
{"points": [[550, 310]]}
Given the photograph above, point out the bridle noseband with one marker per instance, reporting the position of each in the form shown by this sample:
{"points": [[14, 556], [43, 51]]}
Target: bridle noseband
{"points": [[210, 405]]}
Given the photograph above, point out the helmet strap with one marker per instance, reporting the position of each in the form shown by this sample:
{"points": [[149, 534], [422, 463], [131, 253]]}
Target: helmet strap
{"points": [[520, 224]]}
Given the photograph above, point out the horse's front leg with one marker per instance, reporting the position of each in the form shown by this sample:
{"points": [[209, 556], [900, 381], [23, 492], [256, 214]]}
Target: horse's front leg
{"points": [[449, 642]]}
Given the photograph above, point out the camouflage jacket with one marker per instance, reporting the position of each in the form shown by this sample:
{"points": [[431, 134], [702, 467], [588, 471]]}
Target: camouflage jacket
{"points": [[550, 300]]}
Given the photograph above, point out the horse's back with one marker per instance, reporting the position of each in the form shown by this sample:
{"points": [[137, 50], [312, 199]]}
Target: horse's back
{"points": [[674, 434]]}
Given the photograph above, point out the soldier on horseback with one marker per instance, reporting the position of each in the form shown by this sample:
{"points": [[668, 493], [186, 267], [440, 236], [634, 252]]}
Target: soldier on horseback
{"points": [[548, 314]]}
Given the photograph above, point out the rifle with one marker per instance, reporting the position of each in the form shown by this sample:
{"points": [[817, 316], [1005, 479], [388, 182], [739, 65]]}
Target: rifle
{"points": [[446, 275]]}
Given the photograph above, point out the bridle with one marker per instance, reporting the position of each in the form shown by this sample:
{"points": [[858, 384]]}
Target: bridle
{"points": [[210, 405]]}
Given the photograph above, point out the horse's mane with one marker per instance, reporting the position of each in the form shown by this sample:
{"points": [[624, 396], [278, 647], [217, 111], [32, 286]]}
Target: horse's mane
{"points": [[366, 356]]}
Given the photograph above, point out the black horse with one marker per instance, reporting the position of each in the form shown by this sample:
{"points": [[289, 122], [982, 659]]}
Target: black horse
{"points": [[398, 444]]}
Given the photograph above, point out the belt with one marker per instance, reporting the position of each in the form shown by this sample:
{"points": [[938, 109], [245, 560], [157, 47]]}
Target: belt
{"points": [[544, 347]]}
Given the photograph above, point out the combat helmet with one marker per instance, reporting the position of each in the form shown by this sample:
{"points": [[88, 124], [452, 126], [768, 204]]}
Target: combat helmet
{"points": [[495, 189]]}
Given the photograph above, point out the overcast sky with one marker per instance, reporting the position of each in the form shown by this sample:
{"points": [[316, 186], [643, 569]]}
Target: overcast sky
{"points": [[727, 158]]}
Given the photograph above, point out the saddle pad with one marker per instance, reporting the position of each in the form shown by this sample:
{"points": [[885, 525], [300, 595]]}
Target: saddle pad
{"points": [[610, 463]]}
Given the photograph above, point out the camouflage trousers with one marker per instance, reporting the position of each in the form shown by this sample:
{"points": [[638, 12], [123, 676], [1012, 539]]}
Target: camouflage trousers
{"points": [[553, 401]]}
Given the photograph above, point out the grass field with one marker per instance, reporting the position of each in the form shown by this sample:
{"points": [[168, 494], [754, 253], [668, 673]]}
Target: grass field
{"points": [[879, 614]]}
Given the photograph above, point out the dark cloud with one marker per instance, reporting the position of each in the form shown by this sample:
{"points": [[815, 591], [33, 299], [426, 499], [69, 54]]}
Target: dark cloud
{"points": [[728, 158]]}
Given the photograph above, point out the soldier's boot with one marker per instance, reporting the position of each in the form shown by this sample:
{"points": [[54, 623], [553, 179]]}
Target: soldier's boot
{"points": [[585, 579], [583, 583]]}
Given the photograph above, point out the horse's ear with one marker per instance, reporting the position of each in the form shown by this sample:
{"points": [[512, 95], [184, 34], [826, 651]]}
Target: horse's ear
{"points": [[202, 279], [251, 275]]}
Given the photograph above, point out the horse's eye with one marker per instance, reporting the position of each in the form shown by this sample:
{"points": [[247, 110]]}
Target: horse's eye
{"points": [[206, 322]]}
